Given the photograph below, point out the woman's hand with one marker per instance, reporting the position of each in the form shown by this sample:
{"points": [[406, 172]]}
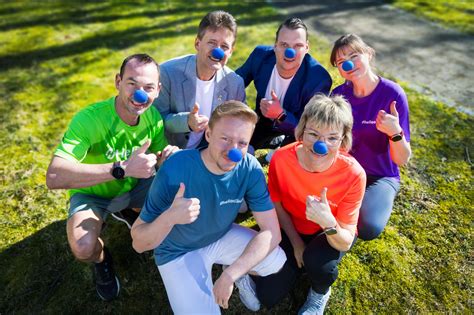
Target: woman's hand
{"points": [[319, 212], [298, 250], [388, 123]]}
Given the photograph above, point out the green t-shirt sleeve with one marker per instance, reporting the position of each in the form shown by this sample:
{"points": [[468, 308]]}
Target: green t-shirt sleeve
{"points": [[76, 140]]}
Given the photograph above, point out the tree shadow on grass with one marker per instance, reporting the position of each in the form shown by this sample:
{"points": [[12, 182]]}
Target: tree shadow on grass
{"points": [[118, 40], [40, 274]]}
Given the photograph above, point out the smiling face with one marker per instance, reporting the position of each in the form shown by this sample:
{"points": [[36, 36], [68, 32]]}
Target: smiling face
{"points": [[331, 135], [205, 63], [361, 62], [225, 134], [290, 38], [136, 76]]}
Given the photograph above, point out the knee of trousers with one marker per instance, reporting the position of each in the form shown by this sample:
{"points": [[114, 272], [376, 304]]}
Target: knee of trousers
{"points": [[275, 287], [319, 268], [272, 263], [369, 230]]}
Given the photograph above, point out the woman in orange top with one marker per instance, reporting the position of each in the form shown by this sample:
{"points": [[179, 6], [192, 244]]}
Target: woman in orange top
{"points": [[317, 189]]}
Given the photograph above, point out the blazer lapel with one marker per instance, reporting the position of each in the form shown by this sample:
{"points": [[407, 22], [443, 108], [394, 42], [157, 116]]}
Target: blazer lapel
{"points": [[265, 74], [220, 89], [189, 84]]}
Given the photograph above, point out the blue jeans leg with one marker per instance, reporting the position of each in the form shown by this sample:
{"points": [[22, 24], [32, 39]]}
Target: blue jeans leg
{"points": [[376, 206]]}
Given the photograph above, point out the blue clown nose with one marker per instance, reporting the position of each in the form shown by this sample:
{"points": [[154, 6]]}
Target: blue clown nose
{"points": [[217, 53], [290, 53], [140, 96], [234, 155], [320, 147], [347, 65]]}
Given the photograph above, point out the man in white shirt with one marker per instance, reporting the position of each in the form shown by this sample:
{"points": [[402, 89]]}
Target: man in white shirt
{"points": [[193, 85], [286, 77]]}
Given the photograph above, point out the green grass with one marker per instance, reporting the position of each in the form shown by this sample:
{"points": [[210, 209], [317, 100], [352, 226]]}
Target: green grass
{"points": [[452, 13], [57, 57]]}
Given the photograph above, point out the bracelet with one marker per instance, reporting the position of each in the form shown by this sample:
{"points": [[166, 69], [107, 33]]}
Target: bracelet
{"points": [[281, 117]]}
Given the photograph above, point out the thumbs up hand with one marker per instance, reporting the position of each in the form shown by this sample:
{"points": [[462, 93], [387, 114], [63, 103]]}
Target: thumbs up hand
{"points": [[184, 210], [197, 122], [140, 164], [271, 108], [388, 123], [318, 211]]}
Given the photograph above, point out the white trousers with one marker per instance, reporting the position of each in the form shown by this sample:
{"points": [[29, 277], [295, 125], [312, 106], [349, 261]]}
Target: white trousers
{"points": [[188, 278]]}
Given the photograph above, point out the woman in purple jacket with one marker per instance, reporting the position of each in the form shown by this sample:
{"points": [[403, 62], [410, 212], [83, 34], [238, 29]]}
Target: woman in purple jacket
{"points": [[381, 129]]}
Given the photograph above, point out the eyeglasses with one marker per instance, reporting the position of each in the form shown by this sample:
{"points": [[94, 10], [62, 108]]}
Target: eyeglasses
{"points": [[331, 141]]}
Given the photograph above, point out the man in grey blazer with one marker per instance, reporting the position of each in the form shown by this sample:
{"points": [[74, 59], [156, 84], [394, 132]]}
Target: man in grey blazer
{"points": [[193, 85]]}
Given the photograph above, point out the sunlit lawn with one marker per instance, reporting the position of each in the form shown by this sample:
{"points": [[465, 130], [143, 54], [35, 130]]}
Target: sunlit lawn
{"points": [[57, 57]]}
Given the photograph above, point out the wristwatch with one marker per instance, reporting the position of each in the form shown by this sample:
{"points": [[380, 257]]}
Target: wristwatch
{"points": [[396, 137], [117, 171], [330, 230]]}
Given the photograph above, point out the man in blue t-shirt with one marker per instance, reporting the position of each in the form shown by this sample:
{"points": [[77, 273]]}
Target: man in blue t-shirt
{"points": [[189, 213]]}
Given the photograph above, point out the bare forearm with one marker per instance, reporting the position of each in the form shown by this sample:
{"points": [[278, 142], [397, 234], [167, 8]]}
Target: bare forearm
{"points": [[342, 240], [258, 248], [287, 225], [64, 174], [400, 151], [147, 236]]}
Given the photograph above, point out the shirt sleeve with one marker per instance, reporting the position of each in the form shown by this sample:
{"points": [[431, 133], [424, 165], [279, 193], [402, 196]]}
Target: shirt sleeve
{"points": [[245, 70], [159, 197], [159, 141], [403, 115], [257, 195], [348, 208], [273, 186], [76, 140]]}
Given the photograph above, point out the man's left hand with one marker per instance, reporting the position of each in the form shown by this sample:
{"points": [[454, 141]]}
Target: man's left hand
{"points": [[271, 108], [167, 151], [223, 288]]}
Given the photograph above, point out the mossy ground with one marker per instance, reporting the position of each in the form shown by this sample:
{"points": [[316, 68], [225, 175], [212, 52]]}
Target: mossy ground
{"points": [[451, 13], [57, 57]]}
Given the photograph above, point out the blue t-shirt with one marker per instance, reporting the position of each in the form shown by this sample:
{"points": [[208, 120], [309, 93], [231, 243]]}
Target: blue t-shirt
{"points": [[220, 199]]}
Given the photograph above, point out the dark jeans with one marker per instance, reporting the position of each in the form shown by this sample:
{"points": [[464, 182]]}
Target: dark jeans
{"points": [[266, 137], [320, 263], [376, 206]]}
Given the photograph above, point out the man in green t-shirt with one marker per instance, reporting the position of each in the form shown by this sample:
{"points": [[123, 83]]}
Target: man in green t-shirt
{"points": [[107, 159]]}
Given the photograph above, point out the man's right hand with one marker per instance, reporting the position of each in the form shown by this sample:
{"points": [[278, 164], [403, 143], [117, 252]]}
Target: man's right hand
{"points": [[197, 122], [140, 164], [184, 210]]}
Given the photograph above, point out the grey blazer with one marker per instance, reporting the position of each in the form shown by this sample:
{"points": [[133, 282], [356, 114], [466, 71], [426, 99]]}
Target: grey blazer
{"points": [[178, 95]]}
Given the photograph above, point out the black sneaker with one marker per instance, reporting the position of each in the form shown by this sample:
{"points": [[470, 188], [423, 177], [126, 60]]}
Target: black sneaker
{"points": [[127, 216], [107, 284]]}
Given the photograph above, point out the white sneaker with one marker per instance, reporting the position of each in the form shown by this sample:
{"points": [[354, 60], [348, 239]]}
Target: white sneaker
{"points": [[315, 303], [247, 293]]}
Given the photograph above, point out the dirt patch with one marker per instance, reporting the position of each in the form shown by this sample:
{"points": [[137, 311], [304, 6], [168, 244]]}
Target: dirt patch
{"points": [[432, 59]]}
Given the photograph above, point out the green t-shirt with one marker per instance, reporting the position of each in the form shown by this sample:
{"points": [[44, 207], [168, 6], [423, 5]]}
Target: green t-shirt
{"points": [[97, 135]]}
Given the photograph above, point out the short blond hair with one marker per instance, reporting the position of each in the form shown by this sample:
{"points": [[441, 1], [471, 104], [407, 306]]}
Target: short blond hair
{"points": [[328, 112], [235, 109]]}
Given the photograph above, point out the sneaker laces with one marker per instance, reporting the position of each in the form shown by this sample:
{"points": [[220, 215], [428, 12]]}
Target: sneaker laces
{"points": [[104, 271]]}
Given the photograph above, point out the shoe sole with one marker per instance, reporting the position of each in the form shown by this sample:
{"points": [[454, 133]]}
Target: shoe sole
{"points": [[121, 220], [118, 291]]}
